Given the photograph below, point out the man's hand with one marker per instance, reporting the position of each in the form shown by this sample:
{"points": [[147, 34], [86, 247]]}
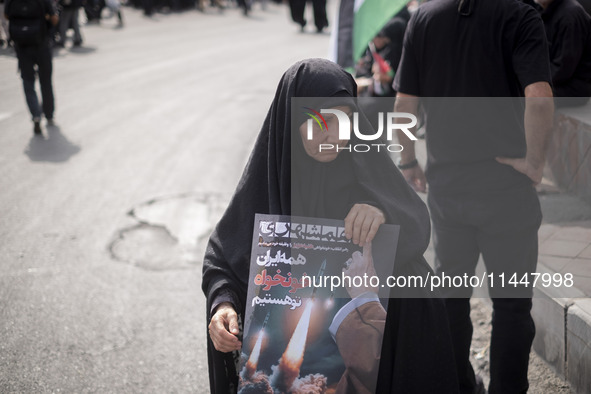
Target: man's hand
{"points": [[538, 121], [362, 223], [416, 178], [223, 328], [53, 19], [526, 168], [360, 265]]}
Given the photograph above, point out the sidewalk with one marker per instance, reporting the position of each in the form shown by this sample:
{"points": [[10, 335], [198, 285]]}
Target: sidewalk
{"points": [[563, 317]]}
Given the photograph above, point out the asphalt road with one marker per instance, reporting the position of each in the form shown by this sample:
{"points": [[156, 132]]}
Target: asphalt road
{"points": [[99, 264]]}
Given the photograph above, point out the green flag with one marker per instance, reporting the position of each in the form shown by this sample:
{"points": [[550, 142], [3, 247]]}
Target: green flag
{"points": [[357, 23]]}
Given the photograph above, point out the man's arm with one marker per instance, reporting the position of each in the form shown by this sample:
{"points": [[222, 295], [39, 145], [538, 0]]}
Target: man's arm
{"points": [[538, 119], [414, 176]]}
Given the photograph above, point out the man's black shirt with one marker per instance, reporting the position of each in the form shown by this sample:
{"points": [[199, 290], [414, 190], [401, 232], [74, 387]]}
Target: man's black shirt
{"points": [[495, 52], [492, 54], [48, 7]]}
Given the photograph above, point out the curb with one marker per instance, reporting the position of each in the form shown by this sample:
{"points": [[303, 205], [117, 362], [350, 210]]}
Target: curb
{"points": [[563, 332]]}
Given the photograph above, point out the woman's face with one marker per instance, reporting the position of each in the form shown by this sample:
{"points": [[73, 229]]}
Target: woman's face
{"points": [[380, 42], [326, 138]]}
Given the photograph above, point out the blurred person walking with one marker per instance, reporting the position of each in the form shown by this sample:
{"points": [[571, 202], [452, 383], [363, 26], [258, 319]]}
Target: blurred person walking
{"points": [[246, 6], [221, 5], [29, 25], [298, 8], [69, 19], [93, 10], [114, 7], [4, 36], [148, 6]]}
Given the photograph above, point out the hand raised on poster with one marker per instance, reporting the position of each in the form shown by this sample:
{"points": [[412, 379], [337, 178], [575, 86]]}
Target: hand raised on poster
{"points": [[223, 328], [361, 265], [362, 223]]}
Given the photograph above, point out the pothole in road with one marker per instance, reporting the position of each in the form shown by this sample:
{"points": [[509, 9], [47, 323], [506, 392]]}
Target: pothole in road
{"points": [[170, 232]]}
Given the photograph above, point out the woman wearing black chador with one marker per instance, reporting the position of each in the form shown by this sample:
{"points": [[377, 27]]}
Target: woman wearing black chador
{"points": [[284, 176]]}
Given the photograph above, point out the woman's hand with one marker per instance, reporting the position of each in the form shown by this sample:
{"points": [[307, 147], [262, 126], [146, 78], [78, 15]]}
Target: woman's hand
{"points": [[362, 223], [223, 328], [360, 265], [415, 178], [379, 76]]}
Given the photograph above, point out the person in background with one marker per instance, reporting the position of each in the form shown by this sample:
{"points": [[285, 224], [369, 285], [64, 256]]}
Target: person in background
{"points": [[371, 74], [69, 19], [114, 7], [4, 38], [375, 70], [201, 5], [93, 10], [29, 24], [568, 29], [246, 6], [297, 8], [484, 158]]}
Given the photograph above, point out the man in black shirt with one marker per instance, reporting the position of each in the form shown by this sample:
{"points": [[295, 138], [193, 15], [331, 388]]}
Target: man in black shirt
{"points": [[471, 62], [568, 29], [29, 24]]}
